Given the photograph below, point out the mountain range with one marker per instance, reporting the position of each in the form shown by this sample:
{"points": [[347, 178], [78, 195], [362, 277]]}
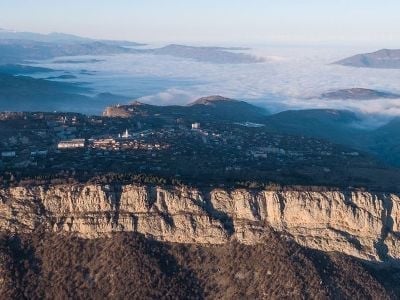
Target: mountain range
{"points": [[17, 47], [59, 38], [17, 51]]}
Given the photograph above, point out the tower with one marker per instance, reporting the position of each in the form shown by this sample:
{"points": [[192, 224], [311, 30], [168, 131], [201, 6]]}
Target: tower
{"points": [[196, 126], [126, 134]]}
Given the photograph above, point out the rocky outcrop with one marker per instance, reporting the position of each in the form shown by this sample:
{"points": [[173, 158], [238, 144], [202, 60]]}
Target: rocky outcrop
{"points": [[361, 224]]}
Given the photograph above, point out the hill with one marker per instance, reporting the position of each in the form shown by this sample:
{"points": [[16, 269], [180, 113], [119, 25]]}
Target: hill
{"points": [[337, 126], [383, 59], [128, 265], [387, 141], [17, 47], [17, 51], [16, 69], [24, 93], [203, 109], [358, 94], [57, 37], [218, 55]]}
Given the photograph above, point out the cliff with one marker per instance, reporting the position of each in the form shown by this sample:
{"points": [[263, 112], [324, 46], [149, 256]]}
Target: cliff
{"points": [[361, 224]]}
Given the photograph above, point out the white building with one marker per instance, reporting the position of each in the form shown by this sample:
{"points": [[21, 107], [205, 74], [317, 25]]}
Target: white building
{"points": [[8, 154], [126, 134], [39, 153], [196, 126], [258, 153], [104, 144], [71, 144], [250, 124]]}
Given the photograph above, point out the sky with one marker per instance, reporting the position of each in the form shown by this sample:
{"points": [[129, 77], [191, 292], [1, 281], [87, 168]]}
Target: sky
{"points": [[211, 21]]}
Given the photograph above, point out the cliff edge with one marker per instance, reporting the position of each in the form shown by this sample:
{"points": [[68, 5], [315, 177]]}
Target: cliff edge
{"points": [[361, 224]]}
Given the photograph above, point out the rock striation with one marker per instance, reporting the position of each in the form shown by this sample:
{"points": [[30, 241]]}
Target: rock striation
{"points": [[361, 224]]}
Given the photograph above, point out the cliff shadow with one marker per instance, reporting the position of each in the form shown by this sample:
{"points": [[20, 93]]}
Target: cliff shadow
{"points": [[206, 204], [114, 193], [387, 227]]}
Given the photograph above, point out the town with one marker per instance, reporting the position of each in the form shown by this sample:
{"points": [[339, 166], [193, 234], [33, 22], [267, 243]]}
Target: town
{"points": [[74, 145]]}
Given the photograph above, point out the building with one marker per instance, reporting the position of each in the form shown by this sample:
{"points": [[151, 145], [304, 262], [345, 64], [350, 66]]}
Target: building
{"points": [[250, 124], [196, 126], [71, 144], [258, 153], [104, 143], [39, 153], [8, 154], [126, 134]]}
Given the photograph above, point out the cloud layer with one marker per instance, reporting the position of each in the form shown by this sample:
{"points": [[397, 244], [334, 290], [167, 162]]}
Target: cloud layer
{"points": [[291, 78]]}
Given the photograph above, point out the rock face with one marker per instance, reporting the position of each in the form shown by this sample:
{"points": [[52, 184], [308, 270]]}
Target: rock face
{"points": [[361, 224]]}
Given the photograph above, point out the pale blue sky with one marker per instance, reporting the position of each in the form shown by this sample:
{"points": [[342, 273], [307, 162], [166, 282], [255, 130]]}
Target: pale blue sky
{"points": [[261, 21]]}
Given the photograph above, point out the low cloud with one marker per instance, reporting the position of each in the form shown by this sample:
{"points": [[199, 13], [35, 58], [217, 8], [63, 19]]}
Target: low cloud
{"points": [[291, 78]]}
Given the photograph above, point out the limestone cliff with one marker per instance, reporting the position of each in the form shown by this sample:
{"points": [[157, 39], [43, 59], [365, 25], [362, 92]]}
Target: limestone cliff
{"points": [[361, 224]]}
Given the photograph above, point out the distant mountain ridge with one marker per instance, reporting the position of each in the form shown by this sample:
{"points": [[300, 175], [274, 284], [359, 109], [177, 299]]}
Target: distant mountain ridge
{"points": [[24, 93], [16, 47], [17, 51], [212, 100], [16, 69], [207, 108], [358, 94], [57, 37], [219, 55], [382, 59]]}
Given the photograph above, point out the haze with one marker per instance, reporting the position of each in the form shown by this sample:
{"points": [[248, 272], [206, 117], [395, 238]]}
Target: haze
{"points": [[225, 21]]}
